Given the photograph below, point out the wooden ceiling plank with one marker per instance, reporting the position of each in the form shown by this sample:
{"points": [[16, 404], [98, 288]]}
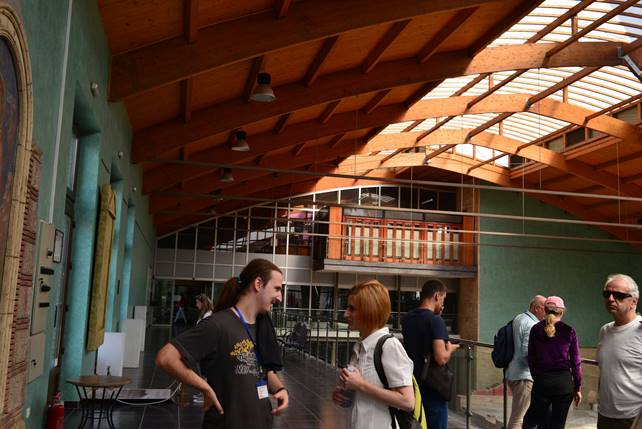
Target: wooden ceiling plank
{"points": [[231, 115], [320, 58], [444, 32], [250, 83], [386, 40], [254, 35]]}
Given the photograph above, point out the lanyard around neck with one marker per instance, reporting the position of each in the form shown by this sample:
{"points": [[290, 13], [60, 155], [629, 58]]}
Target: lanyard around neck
{"points": [[259, 360]]}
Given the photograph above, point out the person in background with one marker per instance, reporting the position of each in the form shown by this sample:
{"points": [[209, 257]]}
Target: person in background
{"points": [[237, 350], [179, 306], [518, 375], [619, 355], [205, 307], [425, 332], [555, 364], [368, 311]]}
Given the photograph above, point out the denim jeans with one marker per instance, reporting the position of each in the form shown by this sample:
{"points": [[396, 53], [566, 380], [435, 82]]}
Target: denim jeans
{"points": [[436, 411]]}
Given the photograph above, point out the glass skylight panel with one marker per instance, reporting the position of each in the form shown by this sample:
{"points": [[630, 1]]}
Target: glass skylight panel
{"points": [[503, 161], [483, 153], [465, 149]]}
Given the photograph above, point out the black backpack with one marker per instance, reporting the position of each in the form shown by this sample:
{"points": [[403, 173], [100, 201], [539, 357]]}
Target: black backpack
{"points": [[406, 419], [503, 346]]}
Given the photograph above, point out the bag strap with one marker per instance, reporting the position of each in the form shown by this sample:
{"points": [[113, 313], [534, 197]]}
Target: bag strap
{"points": [[382, 374]]}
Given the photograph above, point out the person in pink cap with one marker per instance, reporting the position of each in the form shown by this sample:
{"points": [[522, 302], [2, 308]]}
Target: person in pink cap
{"points": [[554, 362]]}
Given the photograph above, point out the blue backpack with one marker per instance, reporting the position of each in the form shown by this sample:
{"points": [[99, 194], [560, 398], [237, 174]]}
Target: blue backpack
{"points": [[503, 346]]}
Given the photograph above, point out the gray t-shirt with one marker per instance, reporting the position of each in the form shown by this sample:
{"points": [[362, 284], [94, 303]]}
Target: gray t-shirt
{"points": [[226, 354], [619, 353]]}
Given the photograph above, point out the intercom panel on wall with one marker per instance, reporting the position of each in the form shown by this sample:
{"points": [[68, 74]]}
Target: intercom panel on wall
{"points": [[44, 275]]}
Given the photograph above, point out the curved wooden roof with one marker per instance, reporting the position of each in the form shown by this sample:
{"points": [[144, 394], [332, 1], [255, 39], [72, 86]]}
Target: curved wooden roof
{"points": [[436, 89]]}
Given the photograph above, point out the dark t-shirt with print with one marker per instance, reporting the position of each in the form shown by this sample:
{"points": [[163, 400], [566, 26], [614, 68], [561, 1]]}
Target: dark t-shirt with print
{"points": [[226, 354]]}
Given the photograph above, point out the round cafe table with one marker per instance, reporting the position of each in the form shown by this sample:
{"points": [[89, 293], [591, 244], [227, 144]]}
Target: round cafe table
{"points": [[93, 404]]}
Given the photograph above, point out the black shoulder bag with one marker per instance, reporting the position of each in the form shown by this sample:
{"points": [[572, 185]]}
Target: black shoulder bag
{"points": [[438, 378]]}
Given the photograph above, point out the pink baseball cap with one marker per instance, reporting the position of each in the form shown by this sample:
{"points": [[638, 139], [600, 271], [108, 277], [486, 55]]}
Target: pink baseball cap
{"points": [[554, 301]]}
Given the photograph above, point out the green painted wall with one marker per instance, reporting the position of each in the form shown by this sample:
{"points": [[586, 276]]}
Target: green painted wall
{"points": [[513, 269], [106, 129]]}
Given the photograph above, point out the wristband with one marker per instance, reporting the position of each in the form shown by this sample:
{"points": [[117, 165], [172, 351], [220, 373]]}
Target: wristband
{"points": [[279, 389]]}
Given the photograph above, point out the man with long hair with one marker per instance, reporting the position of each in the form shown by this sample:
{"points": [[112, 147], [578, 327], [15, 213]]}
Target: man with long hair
{"points": [[236, 348]]}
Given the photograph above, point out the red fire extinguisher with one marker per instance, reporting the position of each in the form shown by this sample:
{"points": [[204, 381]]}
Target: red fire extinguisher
{"points": [[56, 413]]}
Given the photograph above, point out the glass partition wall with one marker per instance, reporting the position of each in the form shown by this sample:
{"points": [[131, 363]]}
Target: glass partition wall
{"points": [[290, 234]]}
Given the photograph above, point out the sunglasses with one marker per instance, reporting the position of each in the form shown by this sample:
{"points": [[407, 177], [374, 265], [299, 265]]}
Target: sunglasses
{"points": [[617, 295]]}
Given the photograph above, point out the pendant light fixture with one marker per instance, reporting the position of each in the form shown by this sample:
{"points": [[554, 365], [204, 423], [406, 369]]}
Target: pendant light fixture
{"points": [[240, 143], [263, 92]]}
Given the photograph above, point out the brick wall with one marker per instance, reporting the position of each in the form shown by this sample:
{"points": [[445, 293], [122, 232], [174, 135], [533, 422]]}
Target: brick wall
{"points": [[18, 357]]}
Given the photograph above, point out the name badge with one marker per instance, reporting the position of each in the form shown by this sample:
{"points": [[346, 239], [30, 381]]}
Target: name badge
{"points": [[262, 389]]}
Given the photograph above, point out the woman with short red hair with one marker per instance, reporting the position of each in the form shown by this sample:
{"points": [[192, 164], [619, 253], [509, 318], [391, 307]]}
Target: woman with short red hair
{"points": [[368, 311]]}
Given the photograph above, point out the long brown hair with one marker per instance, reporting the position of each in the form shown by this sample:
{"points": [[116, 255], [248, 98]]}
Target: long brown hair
{"points": [[235, 287], [207, 304]]}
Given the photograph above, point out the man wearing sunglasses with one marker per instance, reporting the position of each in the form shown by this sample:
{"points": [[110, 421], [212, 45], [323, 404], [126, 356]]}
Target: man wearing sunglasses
{"points": [[619, 354]]}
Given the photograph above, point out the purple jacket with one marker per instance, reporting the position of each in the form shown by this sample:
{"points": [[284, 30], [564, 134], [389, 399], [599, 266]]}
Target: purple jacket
{"points": [[557, 354]]}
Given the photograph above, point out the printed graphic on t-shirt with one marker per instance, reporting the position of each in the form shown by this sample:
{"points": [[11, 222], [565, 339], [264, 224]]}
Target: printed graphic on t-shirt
{"points": [[245, 358]]}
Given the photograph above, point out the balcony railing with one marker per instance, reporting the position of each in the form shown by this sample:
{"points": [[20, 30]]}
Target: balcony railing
{"points": [[480, 396], [386, 240]]}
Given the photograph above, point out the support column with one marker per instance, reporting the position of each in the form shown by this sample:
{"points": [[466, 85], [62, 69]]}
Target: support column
{"points": [[127, 264], [82, 259]]}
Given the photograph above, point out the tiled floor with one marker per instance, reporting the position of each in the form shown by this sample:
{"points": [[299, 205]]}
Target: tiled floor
{"points": [[310, 384]]}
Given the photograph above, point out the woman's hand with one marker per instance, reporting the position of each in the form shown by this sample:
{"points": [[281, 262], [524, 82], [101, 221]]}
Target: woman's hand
{"points": [[351, 378], [339, 398], [578, 398]]}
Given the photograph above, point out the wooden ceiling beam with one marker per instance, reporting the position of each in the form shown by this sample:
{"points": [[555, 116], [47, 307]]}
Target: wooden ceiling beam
{"points": [[444, 32], [210, 180], [592, 26], [282, 123], [523, 9], [277, 190], [281, 7], [191, 20], [375, 101], [250, 82], [538, 36], [329, 111], [186, 98], [386, 40], [254, 35], [315, 68], [583, 213], [156, 140], [161, 178], [420, 93]]}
